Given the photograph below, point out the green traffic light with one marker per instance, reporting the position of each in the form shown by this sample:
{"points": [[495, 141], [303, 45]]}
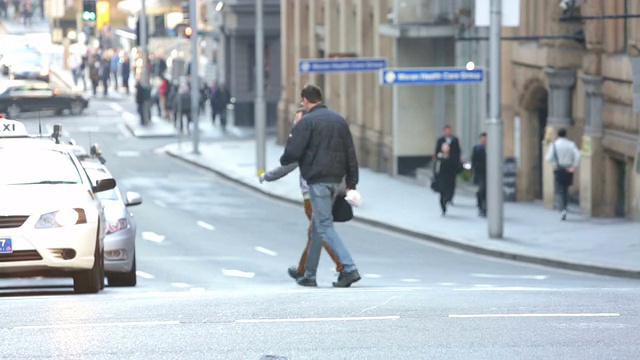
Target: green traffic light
{"points": [[88, 15]]}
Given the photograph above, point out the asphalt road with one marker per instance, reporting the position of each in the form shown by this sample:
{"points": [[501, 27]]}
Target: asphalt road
{"points": [[212, 284]]}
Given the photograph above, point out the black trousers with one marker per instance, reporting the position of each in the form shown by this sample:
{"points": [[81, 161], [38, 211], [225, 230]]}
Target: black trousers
{"points": [[481, 195]]}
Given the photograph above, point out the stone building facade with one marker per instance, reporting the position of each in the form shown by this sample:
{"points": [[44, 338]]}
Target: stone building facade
{"points": [[548, 83]]}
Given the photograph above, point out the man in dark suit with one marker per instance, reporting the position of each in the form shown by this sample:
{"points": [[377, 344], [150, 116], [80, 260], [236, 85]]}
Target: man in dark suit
{"points": [[479, 166], [454, 148]]}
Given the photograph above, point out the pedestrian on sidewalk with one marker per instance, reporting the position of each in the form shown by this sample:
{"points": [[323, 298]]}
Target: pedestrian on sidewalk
{"points": [[182, 106], [296, 272], [565, 157], [479, 167], [125, 71], [322, 145], [115, 62], [445, 171], [94, 72], [454, 146], [219, 98], [105, 73]]}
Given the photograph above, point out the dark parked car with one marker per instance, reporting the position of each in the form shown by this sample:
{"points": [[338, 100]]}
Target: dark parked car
{"points": [[18, 96]]}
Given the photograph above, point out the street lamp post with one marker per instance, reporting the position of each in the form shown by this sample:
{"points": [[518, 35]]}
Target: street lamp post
{"points": [[494, 129], [259, 108], [144, 74], [195, 64]]}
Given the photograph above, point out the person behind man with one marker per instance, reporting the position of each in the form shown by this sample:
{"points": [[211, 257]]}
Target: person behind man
{"points": [[296, 272], [322, 145], [565, 157], [219, 98], [445, 171], [454, 148], [479, 167], [115, 63], [125, 70]]}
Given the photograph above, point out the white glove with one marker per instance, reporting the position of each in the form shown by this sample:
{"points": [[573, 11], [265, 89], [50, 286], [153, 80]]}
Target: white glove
{"points": [[353, 198]]}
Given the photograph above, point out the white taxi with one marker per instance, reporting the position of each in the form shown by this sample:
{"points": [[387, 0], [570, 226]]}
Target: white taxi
{"points": [[51, 220]]}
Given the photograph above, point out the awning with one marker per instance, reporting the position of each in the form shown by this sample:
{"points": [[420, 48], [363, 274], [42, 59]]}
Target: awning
{"points": [[152, 7]]}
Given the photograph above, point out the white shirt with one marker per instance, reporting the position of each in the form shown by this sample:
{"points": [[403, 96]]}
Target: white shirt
{"points": [[568, 153]]}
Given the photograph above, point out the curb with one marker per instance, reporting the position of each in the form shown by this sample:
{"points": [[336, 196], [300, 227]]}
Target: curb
{"points": [[549, 262]]}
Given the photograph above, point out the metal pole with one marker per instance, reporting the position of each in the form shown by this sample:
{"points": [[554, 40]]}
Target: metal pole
{"points": [[260, 111], [195, 64], [494, 128], [144, 74]]}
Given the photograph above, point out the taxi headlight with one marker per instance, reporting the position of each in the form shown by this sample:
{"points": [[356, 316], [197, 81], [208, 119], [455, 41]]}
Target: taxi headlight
{"points": [[61, 218], [44, 72], [115, 226]]}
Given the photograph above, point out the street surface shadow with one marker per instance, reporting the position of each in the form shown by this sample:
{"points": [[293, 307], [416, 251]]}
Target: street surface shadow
{"points": [[35, 290]]}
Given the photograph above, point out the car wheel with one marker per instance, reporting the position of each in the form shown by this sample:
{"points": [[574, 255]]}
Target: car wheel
{"points": [[76, 108], [124, 279], [90, 281], [13, 111]]}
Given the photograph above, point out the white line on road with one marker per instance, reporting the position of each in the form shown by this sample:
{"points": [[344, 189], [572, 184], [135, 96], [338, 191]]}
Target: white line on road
{"points": [[145, 275], [534, 315], [151, 236], [372, 276], [180, 285], [206, 225], [500, 276], [160, 203], [128, 153], [410, 280], [361, 318], [510, 288], [238, 273], [265, 251], [116, 107], [67, 326], [446, 284]]}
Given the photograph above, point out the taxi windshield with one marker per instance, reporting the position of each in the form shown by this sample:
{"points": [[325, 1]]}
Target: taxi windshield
{"points": [[36, 166]]}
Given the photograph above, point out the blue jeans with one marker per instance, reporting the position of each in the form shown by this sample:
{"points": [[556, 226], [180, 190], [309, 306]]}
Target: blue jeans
{"points": [[321, 196]]}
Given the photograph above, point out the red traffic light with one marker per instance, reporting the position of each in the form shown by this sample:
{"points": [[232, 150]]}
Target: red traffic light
{"points": [[188, 31]]}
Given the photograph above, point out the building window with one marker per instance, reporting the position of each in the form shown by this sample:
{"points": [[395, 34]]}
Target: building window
{"points": [[252, 66]]}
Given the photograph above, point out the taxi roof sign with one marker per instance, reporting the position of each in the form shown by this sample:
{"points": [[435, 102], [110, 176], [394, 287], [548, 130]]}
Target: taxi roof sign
{"points": [[12, 129]]}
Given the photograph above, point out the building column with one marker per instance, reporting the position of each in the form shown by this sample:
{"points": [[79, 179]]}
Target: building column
{"points": [[590, 170], [287, 64], [313, 37], [635, 192], [561, 83]]}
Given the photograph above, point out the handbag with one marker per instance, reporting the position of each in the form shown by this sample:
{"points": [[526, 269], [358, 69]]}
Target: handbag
{"points": [[342, 211], [434, 184], [561, 174]]}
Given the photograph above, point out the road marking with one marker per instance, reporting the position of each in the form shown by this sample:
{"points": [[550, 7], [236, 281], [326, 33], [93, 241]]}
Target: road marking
{"points": [[534, 315], [151, 236], [205, 225], [238, 273], [128, 153], [68, 326], [410, 280], [145, 275], [500, 276], [89, 129], [180, 285], [129, 116], [510, 288], [265, 251], [446, 284], [160, 203], [372, 276], [116, 107], [361, 318]]}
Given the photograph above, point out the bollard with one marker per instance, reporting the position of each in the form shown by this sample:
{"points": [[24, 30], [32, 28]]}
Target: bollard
{"points": [[231, 112]]}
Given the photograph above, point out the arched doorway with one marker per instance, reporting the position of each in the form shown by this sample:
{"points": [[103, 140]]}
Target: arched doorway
{"points": [[534, 116]]}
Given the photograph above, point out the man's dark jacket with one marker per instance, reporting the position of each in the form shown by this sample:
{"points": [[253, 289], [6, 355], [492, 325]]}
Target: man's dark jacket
{"points": [[322, 145], [454, 147]]}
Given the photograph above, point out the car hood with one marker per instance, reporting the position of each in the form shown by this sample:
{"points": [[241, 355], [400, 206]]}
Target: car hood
{"points": [[26, 67], [42, 199]]}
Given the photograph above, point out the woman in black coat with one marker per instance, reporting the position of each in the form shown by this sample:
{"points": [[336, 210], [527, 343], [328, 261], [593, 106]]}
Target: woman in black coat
{"points": [[445, 170]]}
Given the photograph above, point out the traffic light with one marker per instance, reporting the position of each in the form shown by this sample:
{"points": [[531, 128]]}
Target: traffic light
{"points": [[188, 31], [89, 10]]}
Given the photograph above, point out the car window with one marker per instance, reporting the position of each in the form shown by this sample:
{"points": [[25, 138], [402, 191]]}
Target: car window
{"points": [[24, 165], [95, 174]]}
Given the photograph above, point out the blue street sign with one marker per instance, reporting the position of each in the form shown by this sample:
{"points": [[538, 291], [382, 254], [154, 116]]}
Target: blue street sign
{"points": [[341, 65], [418, 76]]}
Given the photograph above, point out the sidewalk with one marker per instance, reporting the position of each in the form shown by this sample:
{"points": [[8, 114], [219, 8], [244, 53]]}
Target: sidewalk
{"points": [[532, 233]]}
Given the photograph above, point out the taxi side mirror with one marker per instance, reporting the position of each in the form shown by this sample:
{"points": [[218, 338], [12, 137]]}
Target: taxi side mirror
{"points": [[103, 185]]}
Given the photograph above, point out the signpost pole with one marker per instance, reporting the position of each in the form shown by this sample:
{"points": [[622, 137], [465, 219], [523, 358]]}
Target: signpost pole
{"points": [[260, 112], [195, 64], [494, 129]]}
